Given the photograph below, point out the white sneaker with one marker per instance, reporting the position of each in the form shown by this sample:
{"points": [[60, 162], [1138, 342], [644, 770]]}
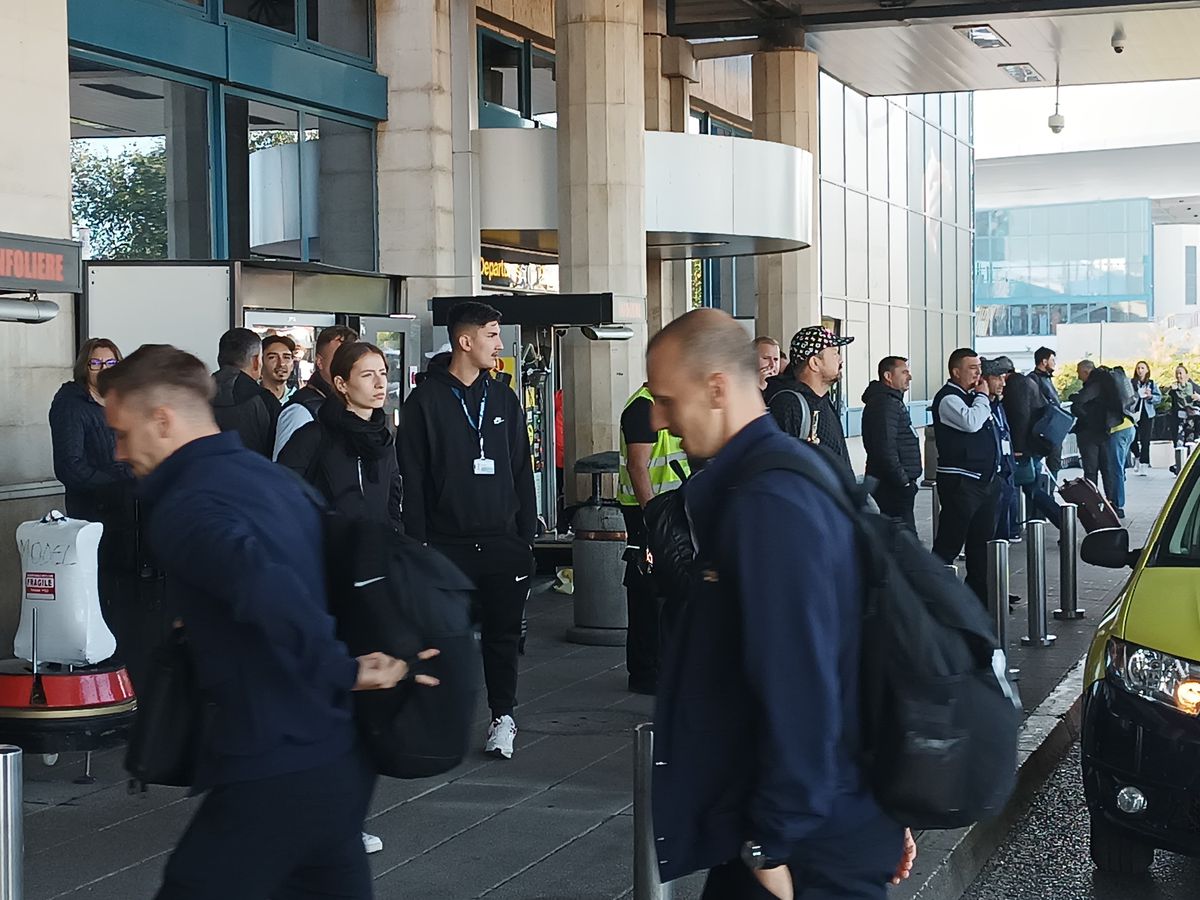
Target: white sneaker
{"points": [[501, 734], [1143, 469], [371, 843]]}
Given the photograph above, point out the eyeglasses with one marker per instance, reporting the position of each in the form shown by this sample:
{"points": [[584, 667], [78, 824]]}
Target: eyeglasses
{"points": [[101, 363]]}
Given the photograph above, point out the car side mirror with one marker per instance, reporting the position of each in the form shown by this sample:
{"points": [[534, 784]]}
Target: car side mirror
{"points": [[1108, 548]]}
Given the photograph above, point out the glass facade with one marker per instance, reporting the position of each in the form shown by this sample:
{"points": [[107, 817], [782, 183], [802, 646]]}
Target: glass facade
{"points": [[1043, 266], [897, 176]]}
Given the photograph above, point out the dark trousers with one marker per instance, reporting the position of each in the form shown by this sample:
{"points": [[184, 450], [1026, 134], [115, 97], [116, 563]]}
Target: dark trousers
{"points": [[968, 516], [1039, 503], [896, 503], [1141, 443], [1008, 510], [501, 570], [284, 838], [1092, 450], [642, 635]]}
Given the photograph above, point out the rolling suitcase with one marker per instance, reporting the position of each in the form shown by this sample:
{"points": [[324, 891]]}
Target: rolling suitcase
{"points": [[1095, 512]]}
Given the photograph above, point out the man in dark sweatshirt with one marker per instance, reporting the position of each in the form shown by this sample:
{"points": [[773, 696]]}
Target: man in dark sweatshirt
{"points": [[468, 491], [240, 403], [893, 451], [755, 774], [815, 367], [241, 545]]}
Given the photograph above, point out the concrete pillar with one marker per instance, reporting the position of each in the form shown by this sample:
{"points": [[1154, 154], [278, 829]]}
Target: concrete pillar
{"points": [[602, 216], [784, 84], [35, 198], [669, 73], [416, 157]]}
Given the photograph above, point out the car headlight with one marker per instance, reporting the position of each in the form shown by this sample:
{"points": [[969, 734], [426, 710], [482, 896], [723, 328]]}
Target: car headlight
{"points": [[1156, 676]]}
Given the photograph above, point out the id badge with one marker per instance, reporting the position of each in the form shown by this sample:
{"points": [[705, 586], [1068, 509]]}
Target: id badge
{"points": [[485, 467], [1005, 446]]}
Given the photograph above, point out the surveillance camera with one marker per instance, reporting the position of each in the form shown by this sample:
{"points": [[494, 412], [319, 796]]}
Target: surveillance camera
{"points": [[1057, 123], [1119, 41]]}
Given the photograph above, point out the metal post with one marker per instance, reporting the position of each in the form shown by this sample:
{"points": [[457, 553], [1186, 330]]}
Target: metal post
{"points": [[1181, 455], [1068, 564], [1035, 568], [937, 507], [997, 590], [646, 885], [1022, 508], [12, 839]]}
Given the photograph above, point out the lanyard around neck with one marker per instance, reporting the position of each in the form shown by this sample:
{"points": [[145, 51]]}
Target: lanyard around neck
{"points": [[476, 425]]}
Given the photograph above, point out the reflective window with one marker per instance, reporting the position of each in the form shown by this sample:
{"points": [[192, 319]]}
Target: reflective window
{"points": [[856, 140], [856, 245], [1189, 276], [341, 24], [832, 130], [139, 164], [833, 240], [500, 72], [543, 97], [277, 14]]}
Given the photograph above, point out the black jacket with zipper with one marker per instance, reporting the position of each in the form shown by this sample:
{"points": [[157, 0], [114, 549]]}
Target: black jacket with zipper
{"points": [[893, 451], [445, 502], [1024, 404], [321, 456], [784, 406], [241, 404]]}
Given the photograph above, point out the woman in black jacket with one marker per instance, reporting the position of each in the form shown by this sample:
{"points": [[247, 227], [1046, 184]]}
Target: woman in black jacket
{"points": [[348, 452], [98, 488]]}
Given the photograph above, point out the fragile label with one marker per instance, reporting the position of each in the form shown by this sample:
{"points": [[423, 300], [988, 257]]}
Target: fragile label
{"points": [[39, 585]]}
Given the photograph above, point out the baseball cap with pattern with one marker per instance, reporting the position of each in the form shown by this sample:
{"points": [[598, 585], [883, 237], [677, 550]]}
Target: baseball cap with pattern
{"points": [[812, 340]]}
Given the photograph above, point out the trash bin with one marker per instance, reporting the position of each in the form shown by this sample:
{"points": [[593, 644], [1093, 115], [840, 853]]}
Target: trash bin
{"points": [[597, 557]]}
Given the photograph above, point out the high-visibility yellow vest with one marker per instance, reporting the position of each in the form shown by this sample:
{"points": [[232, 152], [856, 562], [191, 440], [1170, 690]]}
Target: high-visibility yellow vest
{"points": [[667, 448]]}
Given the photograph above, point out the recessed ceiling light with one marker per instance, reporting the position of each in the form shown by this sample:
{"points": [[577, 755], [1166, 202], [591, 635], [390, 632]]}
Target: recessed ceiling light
{"points": [[1022, 73], [982, 36]]}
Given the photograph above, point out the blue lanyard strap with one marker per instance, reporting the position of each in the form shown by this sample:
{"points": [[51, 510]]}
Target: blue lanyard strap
{"points": [[476, 426]]}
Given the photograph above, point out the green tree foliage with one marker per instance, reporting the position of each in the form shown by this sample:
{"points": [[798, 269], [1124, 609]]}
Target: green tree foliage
{"points": [[122, 198]]}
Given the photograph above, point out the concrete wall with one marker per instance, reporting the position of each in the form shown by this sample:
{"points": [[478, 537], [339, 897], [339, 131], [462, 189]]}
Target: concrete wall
{"points": [[1169, 244], [724, 86], [35, 183]]}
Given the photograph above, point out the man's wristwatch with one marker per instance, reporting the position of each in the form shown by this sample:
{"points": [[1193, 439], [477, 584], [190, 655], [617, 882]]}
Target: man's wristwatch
{"points": [[755, 858]]}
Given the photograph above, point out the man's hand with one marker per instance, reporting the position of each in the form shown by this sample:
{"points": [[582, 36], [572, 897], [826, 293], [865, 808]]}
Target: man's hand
{"points": [[378, 671], [981, 387], [778, 881], [904, 869]]}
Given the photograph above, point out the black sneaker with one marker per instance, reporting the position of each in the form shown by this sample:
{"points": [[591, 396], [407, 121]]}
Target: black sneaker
{"points": [[642, 686]]}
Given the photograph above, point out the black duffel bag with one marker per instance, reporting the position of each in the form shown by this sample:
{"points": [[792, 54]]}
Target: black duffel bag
{"points": [[164, 743]]}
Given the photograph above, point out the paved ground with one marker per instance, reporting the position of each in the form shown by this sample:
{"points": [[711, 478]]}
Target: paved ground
{"points": [[555, 822], [1046, 856]]}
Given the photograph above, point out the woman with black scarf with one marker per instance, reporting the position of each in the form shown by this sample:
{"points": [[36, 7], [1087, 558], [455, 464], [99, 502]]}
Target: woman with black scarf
{"points": [[348, 452]]}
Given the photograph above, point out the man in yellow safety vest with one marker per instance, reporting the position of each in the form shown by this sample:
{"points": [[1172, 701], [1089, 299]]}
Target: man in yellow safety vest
{"points": [[646, 472]]}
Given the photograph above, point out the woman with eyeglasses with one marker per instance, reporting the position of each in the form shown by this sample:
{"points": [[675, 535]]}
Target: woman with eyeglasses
{"points": [[98, 488]]}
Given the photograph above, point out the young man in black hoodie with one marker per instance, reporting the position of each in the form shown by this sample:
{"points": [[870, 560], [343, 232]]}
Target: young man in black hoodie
{"points": [[468, 491], [893, 451]]}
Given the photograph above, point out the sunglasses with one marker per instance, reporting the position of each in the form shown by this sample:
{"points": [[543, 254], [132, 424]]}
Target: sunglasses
{"points": [[101, 363]]}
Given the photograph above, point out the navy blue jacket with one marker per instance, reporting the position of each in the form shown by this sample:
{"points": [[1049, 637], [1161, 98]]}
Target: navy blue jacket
{"points": [[241, 545], [84, 460], [968, 441], [757, 716]]}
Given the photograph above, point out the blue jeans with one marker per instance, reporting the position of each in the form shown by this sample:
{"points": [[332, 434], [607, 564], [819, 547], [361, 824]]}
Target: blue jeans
{"points": [[1114, 465]]}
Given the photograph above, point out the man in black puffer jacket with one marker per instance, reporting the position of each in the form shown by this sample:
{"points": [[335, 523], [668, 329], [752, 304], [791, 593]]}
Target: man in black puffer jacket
{"points": [[893, 451], [239, 402]]}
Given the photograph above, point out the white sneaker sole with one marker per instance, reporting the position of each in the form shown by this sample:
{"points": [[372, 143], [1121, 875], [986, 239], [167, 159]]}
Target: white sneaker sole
{"points": [[371, 843]]}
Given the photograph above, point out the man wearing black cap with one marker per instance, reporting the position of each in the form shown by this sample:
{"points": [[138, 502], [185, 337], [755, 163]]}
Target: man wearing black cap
{"points": [[799, 398]]}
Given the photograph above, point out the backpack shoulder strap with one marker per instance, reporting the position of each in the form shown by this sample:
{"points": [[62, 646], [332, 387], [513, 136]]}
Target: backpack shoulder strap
{"points": [[804, 426], [841, 493]]}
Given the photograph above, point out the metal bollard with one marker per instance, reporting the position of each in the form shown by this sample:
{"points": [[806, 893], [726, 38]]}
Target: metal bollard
{"points": [[1181, 455], [997, 589], [646, 885], [1035, 569], [1068, 565], [12, 840], [1022, 508]]}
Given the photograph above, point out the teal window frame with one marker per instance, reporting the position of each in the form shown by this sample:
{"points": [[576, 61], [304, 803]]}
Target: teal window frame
{"points": [[492, 115]]}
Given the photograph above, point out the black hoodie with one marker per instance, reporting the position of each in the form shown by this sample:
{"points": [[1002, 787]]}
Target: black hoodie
{"points": [[444, 500], [893, 451], [242, 405]]}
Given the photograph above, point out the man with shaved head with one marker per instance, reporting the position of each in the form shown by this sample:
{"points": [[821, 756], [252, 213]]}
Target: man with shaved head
{"points": [[755, 774]]}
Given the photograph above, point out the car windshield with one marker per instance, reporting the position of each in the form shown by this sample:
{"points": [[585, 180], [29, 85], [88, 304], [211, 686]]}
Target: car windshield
{"points": [[1179, 544]]}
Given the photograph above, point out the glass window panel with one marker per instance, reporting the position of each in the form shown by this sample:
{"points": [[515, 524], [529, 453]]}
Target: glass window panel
{"points": [[342, 233], [949, 159], [856, 245], [965, 282], [272, 13], [1039, 319], [962, 182], [898, 254], [933, 109], [833, 240], [1078, 216], [1058, 220], [918, 357], [933, 263], [500, 73], [263, 161], [949, 269], [1190, 286], [856, 139], [1016, 319], [543, 99], [746, 269], [916, 260], [695, 123], [897, 154], [933, 171], [344, 24], [833, 129], [878, 264], [1114, 216], [948, 123], [877, 146], [1098, 313], [916, 164], [916, 103], [139, 164], [1018, 221], [962, 121]]}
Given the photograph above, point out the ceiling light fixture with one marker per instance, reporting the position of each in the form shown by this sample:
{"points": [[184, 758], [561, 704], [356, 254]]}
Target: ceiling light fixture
{"points": [[1057, 122], [985, 37], [1022, 73]]}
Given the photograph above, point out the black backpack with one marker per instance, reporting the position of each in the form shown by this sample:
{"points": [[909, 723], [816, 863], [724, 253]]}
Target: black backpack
{"points": [[391, 594], [939, 718]]}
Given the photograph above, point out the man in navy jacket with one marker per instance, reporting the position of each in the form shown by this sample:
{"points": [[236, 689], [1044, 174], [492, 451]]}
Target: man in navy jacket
{"points": [[756, 725], [241, 546]]}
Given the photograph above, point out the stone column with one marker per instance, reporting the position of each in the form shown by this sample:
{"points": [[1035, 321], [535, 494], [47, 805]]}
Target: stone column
{"points": [[415, 149], [669, 72], [784, 84], [601, 211]]}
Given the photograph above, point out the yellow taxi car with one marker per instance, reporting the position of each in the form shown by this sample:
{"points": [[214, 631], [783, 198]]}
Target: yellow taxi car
{"points": [[1141, 701]]}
